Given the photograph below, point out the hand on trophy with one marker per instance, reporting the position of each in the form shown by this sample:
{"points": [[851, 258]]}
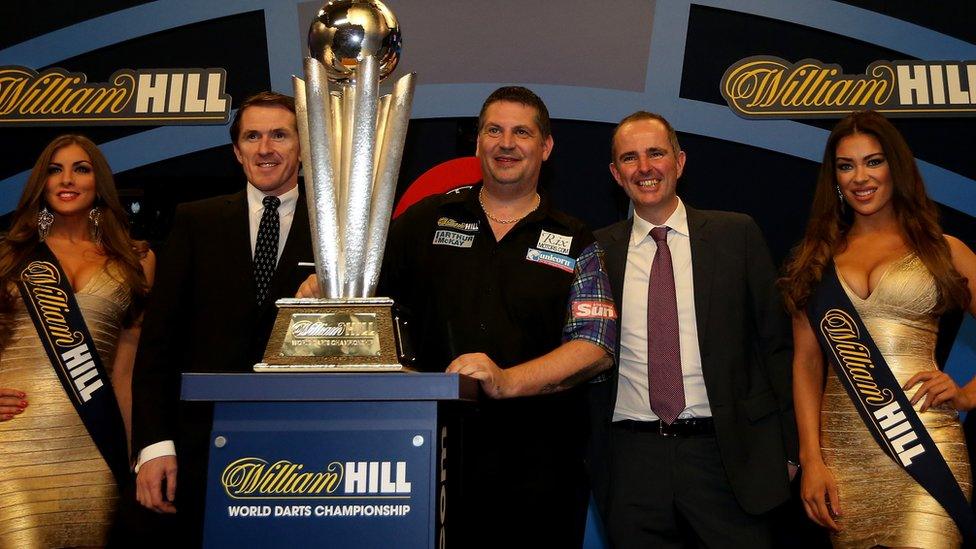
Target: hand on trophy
{"points": [[310, 288]]}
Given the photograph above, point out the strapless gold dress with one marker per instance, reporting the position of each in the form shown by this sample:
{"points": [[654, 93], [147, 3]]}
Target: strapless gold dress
{"points": [[882, 504], [55, 488]]}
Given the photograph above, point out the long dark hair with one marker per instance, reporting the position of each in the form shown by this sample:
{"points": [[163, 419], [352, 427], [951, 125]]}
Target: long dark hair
{"points": [[115, 242], [916, 213]]}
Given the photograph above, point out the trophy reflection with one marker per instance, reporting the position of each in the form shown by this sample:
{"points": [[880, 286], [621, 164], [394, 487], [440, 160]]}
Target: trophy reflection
{"points": [[351, 145]]}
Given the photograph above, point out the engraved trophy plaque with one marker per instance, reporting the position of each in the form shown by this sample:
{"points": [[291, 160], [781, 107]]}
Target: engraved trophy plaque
{"points": [[351, 145]]}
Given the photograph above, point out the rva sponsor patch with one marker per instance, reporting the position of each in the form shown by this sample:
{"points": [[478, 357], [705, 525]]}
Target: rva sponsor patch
{"points": [[459, 225], [451, 238], [594, 309], [551, 259], [554, 242]]}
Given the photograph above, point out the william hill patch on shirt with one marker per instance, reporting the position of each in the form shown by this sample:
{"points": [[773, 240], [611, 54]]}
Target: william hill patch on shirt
{"points": [[451, 238], [551, 259], [554, 242], [459, 225]]}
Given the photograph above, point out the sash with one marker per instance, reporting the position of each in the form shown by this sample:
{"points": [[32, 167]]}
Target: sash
{"points": [[51, 304], [880, 400]]}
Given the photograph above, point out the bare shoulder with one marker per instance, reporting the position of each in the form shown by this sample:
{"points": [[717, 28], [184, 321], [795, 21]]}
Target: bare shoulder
{"points": [[963, 258], [148, 261]]}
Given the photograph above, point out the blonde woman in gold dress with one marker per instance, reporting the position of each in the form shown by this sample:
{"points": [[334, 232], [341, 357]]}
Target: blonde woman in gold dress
{"points": [[56, 489], [874, 223]]}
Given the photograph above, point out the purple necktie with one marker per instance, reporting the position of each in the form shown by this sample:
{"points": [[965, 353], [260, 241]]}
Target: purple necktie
{"points": [[666, 389]]}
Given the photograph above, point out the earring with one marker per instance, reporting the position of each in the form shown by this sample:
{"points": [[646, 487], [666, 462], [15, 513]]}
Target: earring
{"points": [[94, 218], [44, 221], [840, 196]]}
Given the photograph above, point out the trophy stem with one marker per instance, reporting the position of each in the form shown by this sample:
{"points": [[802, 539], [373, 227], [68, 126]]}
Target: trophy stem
{"points": [[382, 114], [347, 109], [320, 179], [360, 175], [387, 171]]}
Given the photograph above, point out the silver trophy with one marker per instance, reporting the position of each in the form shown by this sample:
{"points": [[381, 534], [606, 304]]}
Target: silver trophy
{"points": [[351, 141]]}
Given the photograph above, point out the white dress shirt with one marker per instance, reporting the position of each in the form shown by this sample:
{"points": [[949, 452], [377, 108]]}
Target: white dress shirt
{"points": [[255, 209], [633, 401], [286, 212]]}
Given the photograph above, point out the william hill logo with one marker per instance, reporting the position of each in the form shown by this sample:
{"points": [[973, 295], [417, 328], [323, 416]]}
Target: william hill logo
{"points": [[130, 97], [769, 87], [255, 478]]}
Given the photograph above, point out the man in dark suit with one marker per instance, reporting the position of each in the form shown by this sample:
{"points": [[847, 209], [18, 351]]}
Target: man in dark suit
{"points": [[226, 261], [694, 426]]}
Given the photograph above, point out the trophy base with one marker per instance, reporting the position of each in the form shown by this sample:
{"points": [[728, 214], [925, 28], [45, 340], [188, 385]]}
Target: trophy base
{"points": [[335, 335]]}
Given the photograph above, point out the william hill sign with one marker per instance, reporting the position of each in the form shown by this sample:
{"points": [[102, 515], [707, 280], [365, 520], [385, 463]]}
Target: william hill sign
{"points": [[769, 87], [130, 97]]}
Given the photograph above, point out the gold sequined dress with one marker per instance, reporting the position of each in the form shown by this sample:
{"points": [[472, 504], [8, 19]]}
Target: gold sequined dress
{"points": [[55, 488], [882, 504]]}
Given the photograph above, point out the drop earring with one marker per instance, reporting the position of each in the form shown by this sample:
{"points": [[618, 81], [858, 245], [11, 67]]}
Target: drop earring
{"points": [[94, 219], [44, 221]]}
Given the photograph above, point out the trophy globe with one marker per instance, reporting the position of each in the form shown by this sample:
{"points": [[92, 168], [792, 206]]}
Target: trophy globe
{"points": [[344, 32]]}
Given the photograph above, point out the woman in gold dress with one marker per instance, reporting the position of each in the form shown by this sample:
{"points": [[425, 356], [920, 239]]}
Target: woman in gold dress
{"points": [[56, 489], [872, 221]]}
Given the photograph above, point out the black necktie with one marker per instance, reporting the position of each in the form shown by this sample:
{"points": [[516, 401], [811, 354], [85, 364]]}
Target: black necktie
{"points": [[266, 248]]}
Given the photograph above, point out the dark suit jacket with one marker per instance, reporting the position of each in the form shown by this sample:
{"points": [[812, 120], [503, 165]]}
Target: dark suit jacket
{"points": [[202, 315], [746, 353]]}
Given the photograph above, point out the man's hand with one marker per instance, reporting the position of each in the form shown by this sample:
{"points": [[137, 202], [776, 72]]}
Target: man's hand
{"points": [[309, 288], [149, 484], [494, 380]]}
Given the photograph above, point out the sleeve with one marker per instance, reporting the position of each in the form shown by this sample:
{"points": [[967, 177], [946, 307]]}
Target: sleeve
{"points": [[591, 313], [773, 339], [156, 374]]}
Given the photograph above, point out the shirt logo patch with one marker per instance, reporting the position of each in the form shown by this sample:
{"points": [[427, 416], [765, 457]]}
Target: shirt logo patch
{"points": [[554, 242], [451, 238], [454, 224], [594, 309], [551, 259]]}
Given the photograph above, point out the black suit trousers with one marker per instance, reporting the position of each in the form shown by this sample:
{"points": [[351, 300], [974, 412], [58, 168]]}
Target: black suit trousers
{"points": [[673, 492]]}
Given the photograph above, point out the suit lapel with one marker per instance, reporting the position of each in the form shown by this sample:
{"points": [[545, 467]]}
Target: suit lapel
{"points": [[616, 257], [703, 270], [237, 240]]}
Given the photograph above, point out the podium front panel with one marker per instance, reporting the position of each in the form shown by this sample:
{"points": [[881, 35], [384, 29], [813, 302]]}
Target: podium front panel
{"points": [[345, 474]]}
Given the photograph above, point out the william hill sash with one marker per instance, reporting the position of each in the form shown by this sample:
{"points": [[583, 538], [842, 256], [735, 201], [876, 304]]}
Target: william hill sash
{"points": [[51, 304], [880, 400]]}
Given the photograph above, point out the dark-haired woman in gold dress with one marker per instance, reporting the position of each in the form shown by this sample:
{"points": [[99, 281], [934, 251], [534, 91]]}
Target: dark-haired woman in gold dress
{"points": [[872, 218], [56, 489]]}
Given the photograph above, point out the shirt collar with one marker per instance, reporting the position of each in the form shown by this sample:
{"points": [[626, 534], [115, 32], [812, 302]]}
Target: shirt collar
{"points": [[255, 200], [678, 221]]}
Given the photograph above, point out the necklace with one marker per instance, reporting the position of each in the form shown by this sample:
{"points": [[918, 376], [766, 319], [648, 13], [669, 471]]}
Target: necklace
{"points": [[506, 221]]}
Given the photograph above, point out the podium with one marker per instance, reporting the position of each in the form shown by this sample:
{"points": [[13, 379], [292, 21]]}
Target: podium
{"points": [[332, 460]]}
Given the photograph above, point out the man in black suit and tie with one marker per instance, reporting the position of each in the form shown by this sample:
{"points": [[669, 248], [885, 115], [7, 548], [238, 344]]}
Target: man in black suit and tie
{"points": [[226, 261], [694, 426]]}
